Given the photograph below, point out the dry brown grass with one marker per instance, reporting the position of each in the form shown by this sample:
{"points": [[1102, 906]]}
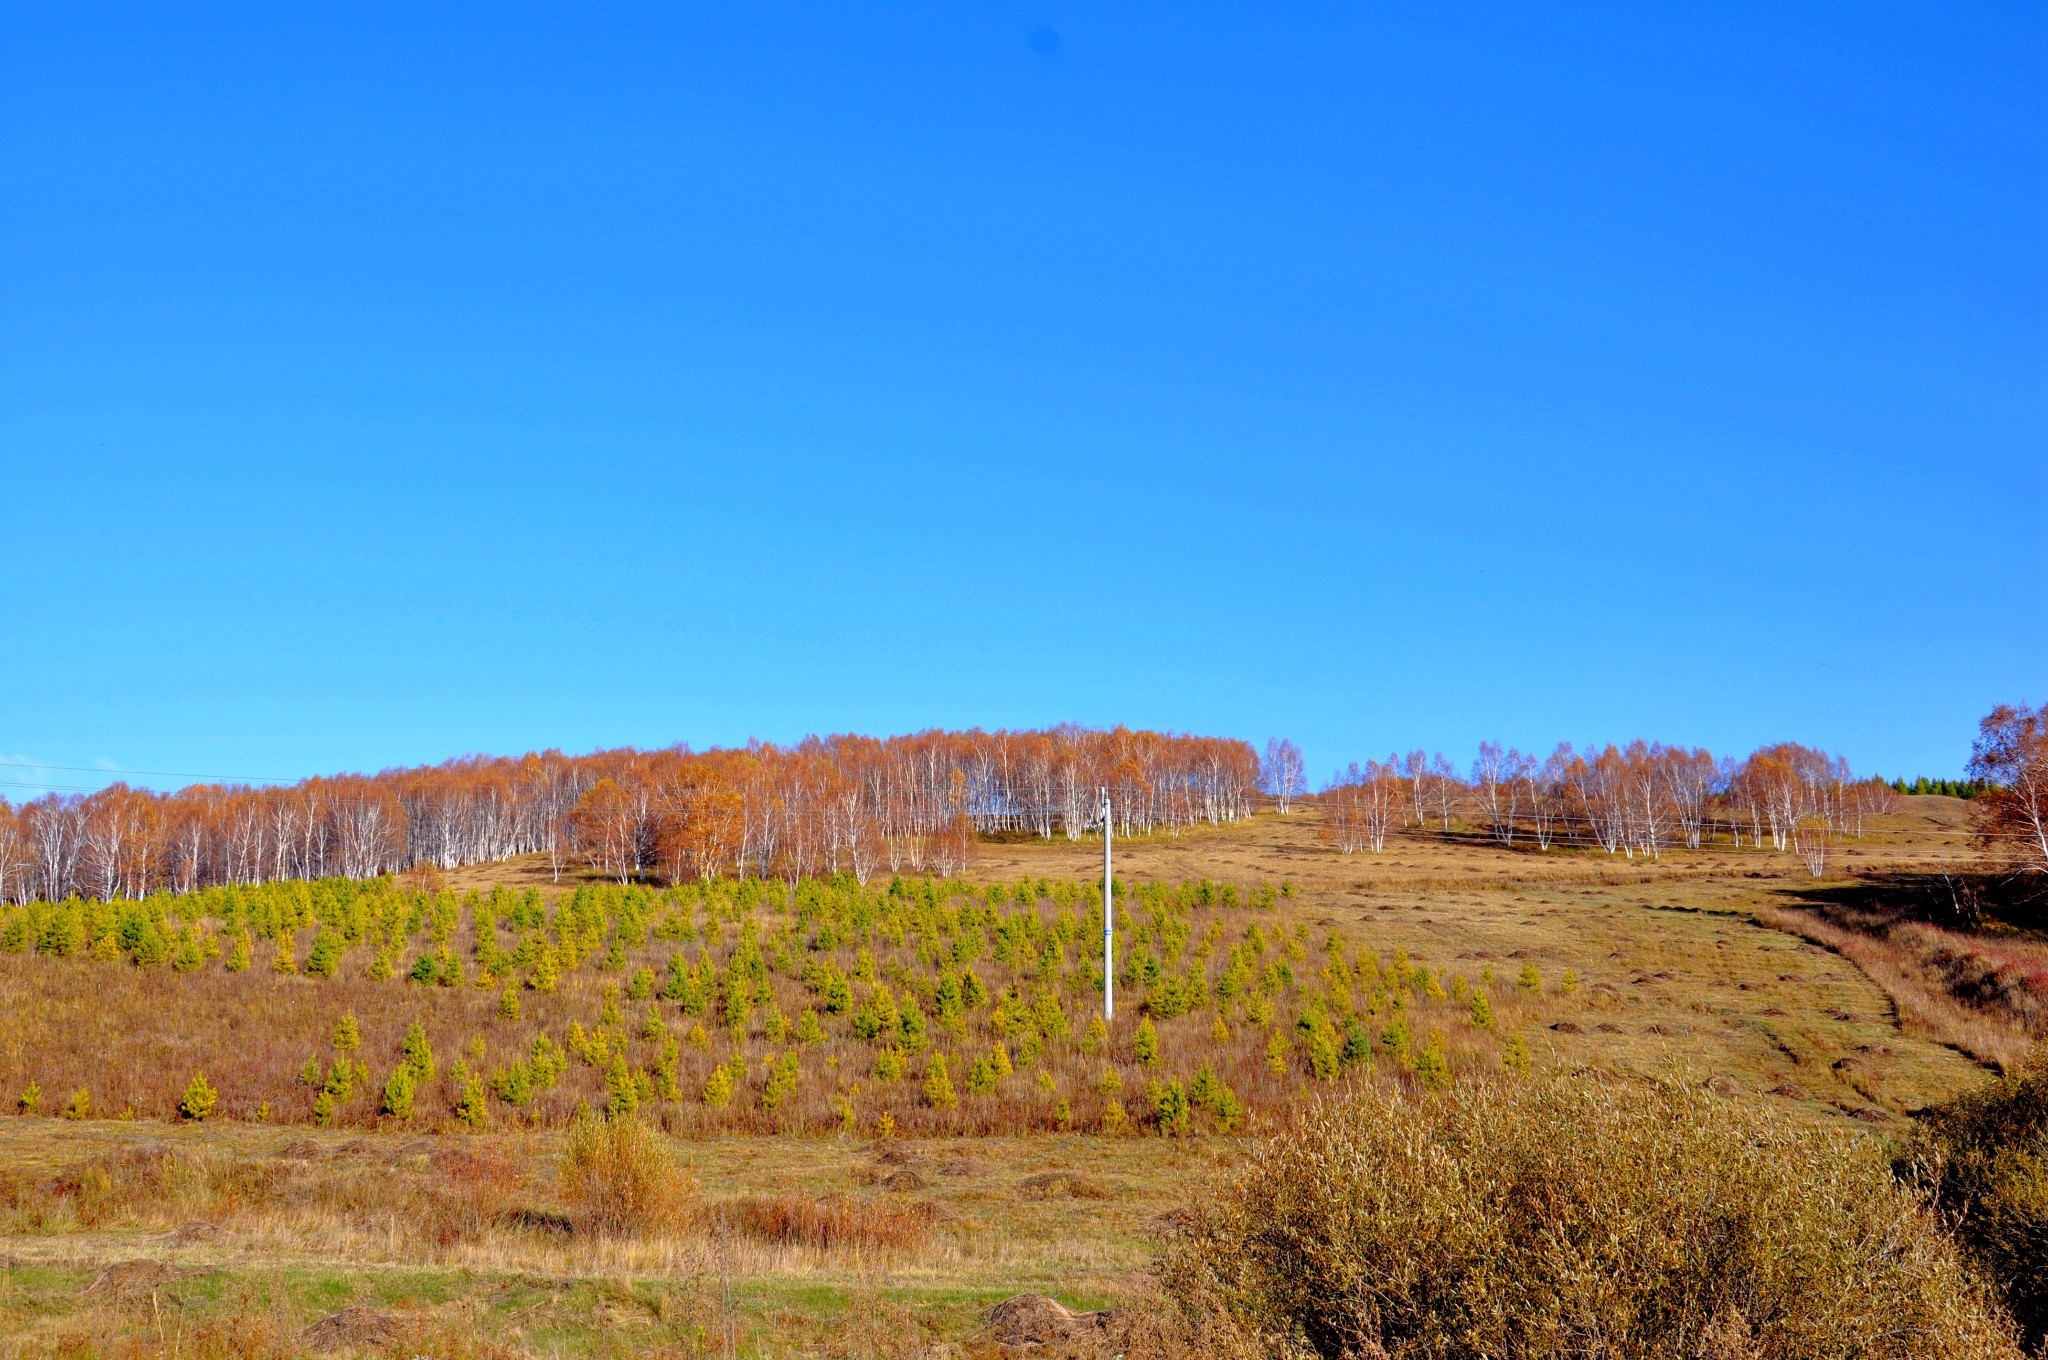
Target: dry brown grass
{"points": [[832, 1223], [1917, 973]]}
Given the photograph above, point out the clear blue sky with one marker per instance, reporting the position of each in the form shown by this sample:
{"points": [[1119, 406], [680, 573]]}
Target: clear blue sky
{"points": [[406, 381]]}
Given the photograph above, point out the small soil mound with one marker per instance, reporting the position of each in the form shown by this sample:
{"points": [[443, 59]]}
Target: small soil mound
{"points": [[1072, 1184], [1723, 1086], [299, 1150], [185, 1234], [1568, 1027], [131, 1279], [963, 1164], [1608, 1027], [902, 1178], [353, 1328], [1033, 1323], [1868, 1114]]}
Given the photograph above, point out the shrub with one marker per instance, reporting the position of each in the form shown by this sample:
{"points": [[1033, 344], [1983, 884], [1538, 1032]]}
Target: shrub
{"points": [[938, 1086], [667, 1069], [1323, 1049], [79, 1106], [325, 955], [1983, 1158], [1568, 1218], [619, 1177], [1482, 1011], [417, 1052], [1514, 1054], [1432, 1067], [31, 1098], [981, 1077], [348, 1036], [544, 974], [197, 1102], [471, 1107], [1170, 1108], [1530, 980], [401, 1091], [782, 1081]]}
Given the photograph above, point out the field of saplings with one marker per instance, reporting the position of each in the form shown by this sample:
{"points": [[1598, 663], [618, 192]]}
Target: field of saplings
{"points": [[924, 1006]]}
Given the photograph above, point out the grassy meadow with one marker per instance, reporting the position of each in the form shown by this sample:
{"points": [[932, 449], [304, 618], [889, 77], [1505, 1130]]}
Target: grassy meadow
{"points": [[890, 1105]]}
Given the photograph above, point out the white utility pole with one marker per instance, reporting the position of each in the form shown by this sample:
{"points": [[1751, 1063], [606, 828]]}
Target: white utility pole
{"points": [[1108, 922]]}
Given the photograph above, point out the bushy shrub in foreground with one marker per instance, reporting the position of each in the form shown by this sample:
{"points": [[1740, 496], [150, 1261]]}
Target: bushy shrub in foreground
{"points": [[620, 1177], [1573, 1217], [1984, 1160]]}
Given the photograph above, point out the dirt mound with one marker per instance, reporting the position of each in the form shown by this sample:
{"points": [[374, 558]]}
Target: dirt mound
{"points": [[1072, 1184], [1032, 1324], [353, 1328], [902, 1178], [963, 1164], [185, 1234], [1568, 1027], [132, 1279]]}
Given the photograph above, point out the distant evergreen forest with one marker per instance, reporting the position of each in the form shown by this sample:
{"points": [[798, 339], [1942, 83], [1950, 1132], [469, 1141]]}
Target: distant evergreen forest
{"points": [[1948, 788]]}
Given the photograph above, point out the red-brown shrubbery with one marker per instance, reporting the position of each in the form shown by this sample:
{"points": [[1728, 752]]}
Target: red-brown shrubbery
{"points": [[836, 1222]]}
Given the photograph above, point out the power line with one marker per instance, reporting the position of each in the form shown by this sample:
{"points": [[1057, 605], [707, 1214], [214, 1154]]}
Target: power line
{"points": [[165, 774]]}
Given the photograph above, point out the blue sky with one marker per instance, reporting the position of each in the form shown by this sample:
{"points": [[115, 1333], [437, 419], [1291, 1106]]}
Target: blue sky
{"points": [[383, 384]]}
